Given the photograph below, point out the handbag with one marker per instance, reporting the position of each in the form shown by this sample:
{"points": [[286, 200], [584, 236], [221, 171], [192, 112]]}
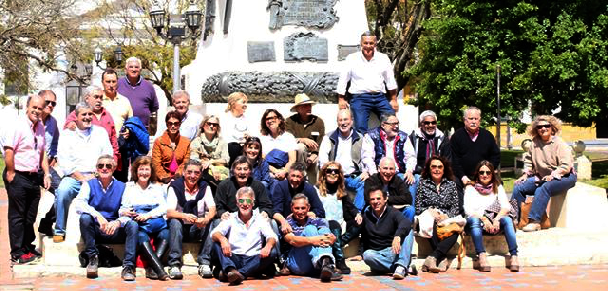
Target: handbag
{"points": [[448, 230], [525, 210], [493, 209]]}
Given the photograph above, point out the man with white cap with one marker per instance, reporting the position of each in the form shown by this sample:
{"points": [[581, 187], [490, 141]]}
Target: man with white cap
{"points": [[308, 129]]}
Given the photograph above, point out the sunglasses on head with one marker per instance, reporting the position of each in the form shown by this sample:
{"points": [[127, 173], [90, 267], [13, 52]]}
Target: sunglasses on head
{"points": [[543, 126], [107, 166], [332, 171], [253, 138], [429, 122], [245, 200], [485, 173], [48, 102]]}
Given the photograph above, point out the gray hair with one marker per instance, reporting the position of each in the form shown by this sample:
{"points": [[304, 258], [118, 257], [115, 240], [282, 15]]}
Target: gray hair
{"points": [[192, 162], [106, 157], [367, 33], [82, 106], [468, 109], [298, 197], [43, 93], [385, 116], [298, 167], [88, 91], [180, 93], [387, 159], [245, 191], [426, 114], [345, 111], [133, 59]]}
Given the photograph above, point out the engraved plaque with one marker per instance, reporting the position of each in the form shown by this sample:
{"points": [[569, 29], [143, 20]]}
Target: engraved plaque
{"points": [[305, 46], [260, 51], [345, 50], [308, 13]]}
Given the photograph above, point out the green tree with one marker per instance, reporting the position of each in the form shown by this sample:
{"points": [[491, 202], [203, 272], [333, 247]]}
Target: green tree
{"points": [[553, 56]]}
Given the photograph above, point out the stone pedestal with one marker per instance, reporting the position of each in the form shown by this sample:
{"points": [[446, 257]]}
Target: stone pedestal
{"points": [[583, 207], [582, 165]]}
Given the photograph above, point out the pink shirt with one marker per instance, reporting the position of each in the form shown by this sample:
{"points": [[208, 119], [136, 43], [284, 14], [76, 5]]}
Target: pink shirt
{"points": [[27, 142]]}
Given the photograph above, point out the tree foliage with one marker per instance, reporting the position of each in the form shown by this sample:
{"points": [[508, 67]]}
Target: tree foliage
{"points": [[553, 56], [398, 25]]}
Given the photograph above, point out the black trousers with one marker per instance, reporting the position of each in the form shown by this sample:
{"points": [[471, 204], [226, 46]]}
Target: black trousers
{"points": [[23, 198], [441, 247], [234, 150]]}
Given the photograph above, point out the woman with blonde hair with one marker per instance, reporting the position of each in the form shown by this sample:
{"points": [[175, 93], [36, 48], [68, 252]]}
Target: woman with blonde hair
{"points": [[548, 168], [340, 211], [235, 124], [210, 149]]}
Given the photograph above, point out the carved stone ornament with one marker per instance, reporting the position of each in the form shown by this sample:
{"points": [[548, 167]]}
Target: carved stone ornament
{"points": [[307, 13], [345, 50], [305, 46], [271, 87], [260, 51]]}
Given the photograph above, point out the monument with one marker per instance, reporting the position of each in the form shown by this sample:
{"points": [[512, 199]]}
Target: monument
{"points": [[274, 49]]}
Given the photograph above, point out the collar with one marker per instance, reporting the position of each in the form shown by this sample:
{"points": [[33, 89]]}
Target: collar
{"points": [[305, 221], [296, 118], [298, 190], [251, 220], [166, 140], [185, 116], [345, 138], [372, 59], [236, 184], [136, 84], [381, 214], [30, 124], [472, 134], [109, 185]]}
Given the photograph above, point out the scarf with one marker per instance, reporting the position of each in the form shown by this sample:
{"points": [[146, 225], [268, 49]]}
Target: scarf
{"points": [[485, 190], [430, 144], [209, 147]]}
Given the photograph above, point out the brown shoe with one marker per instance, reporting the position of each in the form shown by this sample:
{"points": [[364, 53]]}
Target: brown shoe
{"points": [[483, 263], [513, 264], [284, 271], [532, 226], [430, 264], [58, 238]]}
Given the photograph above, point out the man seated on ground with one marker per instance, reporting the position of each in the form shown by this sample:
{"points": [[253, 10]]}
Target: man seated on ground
{"points": [[77, 154], [98, 203], [311, 242], [190, 209], [225, 200], [284, 191], [238, 242], [383, 231]]}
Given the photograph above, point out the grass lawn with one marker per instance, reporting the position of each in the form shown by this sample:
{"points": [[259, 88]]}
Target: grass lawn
{"points": [[599, 174]]}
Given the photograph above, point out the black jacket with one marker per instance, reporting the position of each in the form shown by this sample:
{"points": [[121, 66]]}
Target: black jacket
{"points": [[225, 197], [398, 191]]}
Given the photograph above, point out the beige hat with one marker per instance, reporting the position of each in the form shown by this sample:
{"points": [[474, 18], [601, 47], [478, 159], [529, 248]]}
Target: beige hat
{"points": [[301, 99]]}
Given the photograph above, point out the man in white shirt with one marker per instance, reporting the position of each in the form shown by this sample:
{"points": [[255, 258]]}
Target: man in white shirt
{"points": [[191, 120], [370, 74], [244, 242], [190, 209], [77, 155]]}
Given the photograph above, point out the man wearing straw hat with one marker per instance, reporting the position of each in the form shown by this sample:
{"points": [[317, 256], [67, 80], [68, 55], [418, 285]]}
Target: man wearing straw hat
{"points": [[308, 129]]}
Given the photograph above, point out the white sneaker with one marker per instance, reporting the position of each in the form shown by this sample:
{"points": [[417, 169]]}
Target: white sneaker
{"points": [[204, 271], [399, 273]]}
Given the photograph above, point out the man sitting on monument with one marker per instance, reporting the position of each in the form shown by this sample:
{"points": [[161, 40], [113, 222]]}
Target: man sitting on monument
{"points": [[311, 242], [370, 74], [308, 129], [244, 243]]}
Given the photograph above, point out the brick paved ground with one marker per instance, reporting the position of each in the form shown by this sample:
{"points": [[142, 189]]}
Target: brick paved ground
{"points": [[583, 278]]}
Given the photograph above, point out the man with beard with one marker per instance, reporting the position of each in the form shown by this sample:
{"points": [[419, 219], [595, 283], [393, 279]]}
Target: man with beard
{"points": [[23, 150], [370, 74], [243, 243], [93, 95], [77, 155], [140, 93]]}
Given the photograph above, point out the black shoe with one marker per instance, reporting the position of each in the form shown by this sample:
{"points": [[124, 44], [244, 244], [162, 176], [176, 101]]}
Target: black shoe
{"points": [[341, 265], [92, 267], [128, 274], [328, 271], [235, 277], [150, 274]]}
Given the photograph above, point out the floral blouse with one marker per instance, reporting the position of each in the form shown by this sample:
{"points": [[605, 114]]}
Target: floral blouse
{"points": [[446, 199]]}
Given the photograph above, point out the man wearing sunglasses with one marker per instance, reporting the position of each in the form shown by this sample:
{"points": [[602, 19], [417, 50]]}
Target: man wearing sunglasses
{"points": [[77, 155], [98, 203], [244, 243]]}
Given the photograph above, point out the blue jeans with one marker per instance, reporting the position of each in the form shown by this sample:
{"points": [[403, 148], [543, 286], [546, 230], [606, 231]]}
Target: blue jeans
{"points": [[384, 261], [248, 266], [65, 193], [91, 234], [541, 193], [475, 229], [305, 261], [181, 232], [143, 236], [361, 105]]}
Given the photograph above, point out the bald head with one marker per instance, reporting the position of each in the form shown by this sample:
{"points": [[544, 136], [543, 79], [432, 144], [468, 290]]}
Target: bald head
{"points": [[345, 122]]}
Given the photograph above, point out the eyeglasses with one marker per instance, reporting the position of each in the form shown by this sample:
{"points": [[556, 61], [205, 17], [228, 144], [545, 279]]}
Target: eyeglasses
{"points": [[211, 124], [177, 123], [107, 166], [543, 126], [248, 201], [437, 167], [429, 122], [485, 173], [332, 171], [271, 118], [48, 102]]}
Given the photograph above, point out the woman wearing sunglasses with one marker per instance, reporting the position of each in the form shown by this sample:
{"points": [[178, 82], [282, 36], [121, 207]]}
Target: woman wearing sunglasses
{"points": [[437, 190], [171, 150], [339, 209], [144, 202], [548, 168], [210, 149], [485, 194]]}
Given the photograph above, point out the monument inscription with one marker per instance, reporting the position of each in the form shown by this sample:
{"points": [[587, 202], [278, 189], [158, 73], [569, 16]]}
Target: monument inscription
{"points": [[345, 50], [308, 13], [260, 51], [305, 46]]}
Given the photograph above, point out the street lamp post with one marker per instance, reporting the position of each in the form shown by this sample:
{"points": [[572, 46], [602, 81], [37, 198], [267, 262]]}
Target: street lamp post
{"points": [[98, 54], [176, 31]]}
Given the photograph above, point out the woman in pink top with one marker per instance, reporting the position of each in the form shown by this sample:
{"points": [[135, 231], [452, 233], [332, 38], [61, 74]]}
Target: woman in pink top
{"points": [[548, 168]]}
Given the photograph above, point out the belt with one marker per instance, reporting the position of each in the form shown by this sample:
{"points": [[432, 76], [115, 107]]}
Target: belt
{"points": [[27, 173]]}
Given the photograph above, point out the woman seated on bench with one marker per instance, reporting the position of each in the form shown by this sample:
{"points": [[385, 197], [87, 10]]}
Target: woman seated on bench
{"points": [[487, 209], [547, 168]]}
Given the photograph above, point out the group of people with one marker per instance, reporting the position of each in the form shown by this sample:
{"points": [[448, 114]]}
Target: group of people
{"points": [[251, 200]]}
